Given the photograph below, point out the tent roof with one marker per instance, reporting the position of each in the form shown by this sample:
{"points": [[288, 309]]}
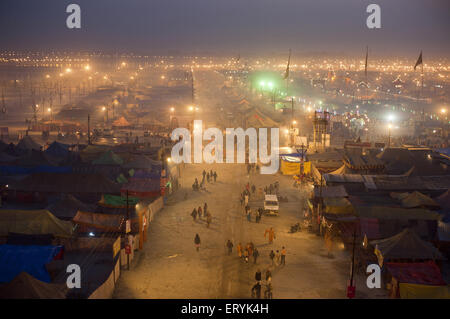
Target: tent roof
{"points": [[417, 199], [66, 183], [108, 158], [406, 245], [57, 149], [331, 191], [27, 143], [444, 200], [7, 158], [25, 286], [118, 201], [142, 185], [91, 152], [33, 222], [35, 158], [143, 162], [359, 161], [108, 222], [337, 205], [400, 160], [121, 122], [68, 206], [425, 273], [395, 213]]}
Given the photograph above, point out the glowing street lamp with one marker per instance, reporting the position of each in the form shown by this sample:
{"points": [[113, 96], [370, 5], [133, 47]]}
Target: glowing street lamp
{"points": [[87, 67], [68, 70]]}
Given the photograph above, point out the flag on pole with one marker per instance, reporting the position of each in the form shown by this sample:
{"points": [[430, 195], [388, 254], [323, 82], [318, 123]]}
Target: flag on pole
{"points": [[419, 61], [367, 56], [286, 73]]}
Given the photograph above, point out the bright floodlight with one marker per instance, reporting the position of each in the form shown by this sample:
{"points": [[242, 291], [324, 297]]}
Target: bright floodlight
{"points": [[87, 67], [172, 109], [68, 70], [262, 83], [443, 111], [270, 84], [391, 117], [191, 108]]}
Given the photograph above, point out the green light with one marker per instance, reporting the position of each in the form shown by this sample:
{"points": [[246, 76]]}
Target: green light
{"points": [[262, 83], [271, 84]]}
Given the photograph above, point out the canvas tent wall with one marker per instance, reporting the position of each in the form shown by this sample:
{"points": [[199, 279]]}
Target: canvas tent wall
{"points": [[33, 222], [25, 286], [405, 245], [100, 222]]}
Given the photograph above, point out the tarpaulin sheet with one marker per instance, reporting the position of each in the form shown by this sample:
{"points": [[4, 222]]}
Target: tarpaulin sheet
{"points": [[415, 291], [424, 273], [290, 168], [118, 201], [31, 259], [337, 205]]}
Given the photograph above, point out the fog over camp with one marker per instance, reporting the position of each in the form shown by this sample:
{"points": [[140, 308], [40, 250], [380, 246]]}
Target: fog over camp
{"points": [[224, 154]]}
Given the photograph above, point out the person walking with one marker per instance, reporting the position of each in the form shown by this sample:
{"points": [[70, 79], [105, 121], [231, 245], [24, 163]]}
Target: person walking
{"points": [[208, 219], [207, 177], [268, 274], [255, 255], [271, 234], [253, 189], [215, 176], [272, 256], [246, 255], [239, 250], [204, 174], [283, 256], [197, 242], [194, 214], [258, 277], [205, 209], [277, 258], [230, 247], [199, 212], [256, 291], [249, 215]]}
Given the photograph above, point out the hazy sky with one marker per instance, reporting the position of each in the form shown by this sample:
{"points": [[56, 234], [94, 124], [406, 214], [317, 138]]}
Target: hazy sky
{"points": [[230, 26]]}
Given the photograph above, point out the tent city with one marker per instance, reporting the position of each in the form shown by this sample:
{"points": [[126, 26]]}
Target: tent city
{"points": [[224, 150]]}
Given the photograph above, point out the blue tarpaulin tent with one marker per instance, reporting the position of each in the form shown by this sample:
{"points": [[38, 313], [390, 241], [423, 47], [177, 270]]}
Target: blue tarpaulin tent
{"points": [[32, 259], [57, 150]]}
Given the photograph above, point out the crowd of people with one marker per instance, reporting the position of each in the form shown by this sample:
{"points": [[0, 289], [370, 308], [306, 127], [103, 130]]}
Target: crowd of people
{"points": [[202, 213], [207, 177]]}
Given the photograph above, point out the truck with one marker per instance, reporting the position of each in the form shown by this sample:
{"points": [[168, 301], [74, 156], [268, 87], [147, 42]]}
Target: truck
{"points": [[271, 205]]}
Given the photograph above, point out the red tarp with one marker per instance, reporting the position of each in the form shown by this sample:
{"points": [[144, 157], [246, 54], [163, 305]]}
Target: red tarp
{"points": [[425, 273]]}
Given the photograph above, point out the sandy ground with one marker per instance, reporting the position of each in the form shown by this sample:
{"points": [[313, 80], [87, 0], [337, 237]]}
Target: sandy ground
{"points": [[170, 267]]}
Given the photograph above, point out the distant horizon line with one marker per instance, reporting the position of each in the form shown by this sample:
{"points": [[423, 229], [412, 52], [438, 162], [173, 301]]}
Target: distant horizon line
{"points": [[222, 54]]}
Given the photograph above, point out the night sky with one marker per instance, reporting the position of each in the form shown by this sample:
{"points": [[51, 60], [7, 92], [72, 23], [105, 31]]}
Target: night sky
{"points": [[229, 26]]}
